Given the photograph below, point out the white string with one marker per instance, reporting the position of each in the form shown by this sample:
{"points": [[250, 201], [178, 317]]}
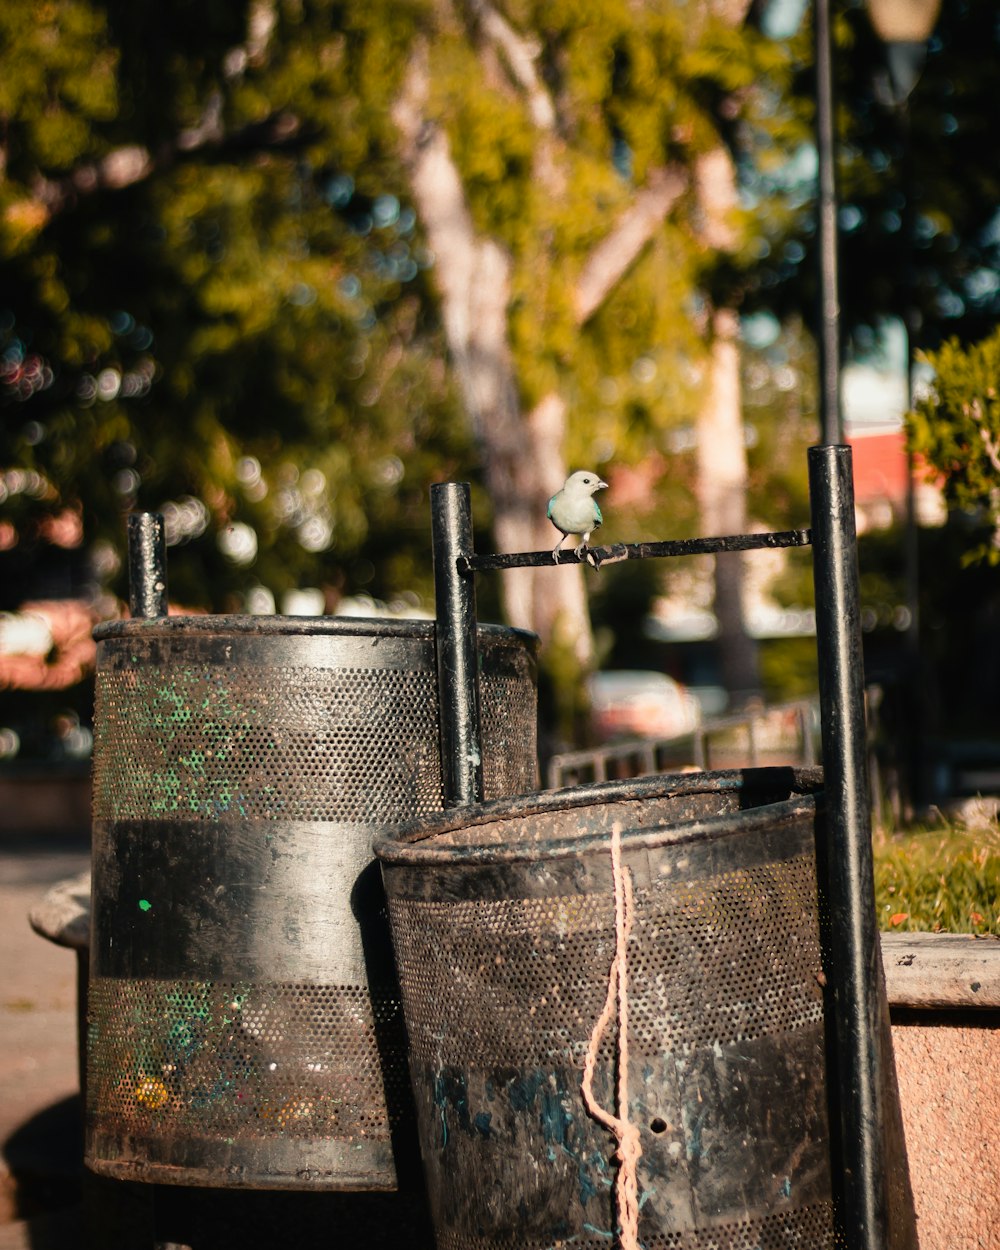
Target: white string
{"points": [[627, 1134]]}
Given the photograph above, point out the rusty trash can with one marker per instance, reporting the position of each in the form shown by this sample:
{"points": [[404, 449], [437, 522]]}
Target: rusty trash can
{"points": [[245, 1023], [503, 919]]}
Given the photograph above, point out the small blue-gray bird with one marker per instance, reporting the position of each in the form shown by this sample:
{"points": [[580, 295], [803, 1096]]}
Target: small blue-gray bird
{"points": [[574, 510]]}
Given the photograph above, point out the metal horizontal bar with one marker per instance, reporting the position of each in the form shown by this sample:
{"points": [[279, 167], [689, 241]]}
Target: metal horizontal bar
{"points": [[635, 551]]}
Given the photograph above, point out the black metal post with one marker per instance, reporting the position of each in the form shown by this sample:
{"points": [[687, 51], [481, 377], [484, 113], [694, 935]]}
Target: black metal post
{"points": [[829, 321], [864, 1064], [912, 700], [457, 653], [147, 566]]}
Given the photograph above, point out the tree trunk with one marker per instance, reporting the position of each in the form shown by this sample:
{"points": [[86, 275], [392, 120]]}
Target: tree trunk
{"points": [[522, 453], [721, 488], [522, 457], [721, 455]]}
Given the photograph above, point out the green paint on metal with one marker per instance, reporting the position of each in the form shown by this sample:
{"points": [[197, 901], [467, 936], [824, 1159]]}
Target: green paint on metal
{"points": [[145, 904]]}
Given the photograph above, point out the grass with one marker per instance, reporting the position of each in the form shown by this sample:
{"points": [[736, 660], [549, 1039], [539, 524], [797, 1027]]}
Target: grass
{"points": [[943, 880]]}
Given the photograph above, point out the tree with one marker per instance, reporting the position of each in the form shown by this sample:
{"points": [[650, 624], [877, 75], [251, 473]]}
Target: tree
{"points": [[218, 271], [573, 166], [217, 306], [955, 428]]}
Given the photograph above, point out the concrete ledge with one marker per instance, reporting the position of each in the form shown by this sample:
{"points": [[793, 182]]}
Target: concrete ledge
{"points": [[944, 1002], [944, 971]]}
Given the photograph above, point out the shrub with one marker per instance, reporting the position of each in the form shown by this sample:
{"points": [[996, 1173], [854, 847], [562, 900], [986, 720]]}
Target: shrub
{"points": [[939, 881]]}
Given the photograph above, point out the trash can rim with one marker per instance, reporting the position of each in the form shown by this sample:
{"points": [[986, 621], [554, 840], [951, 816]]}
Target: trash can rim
{"points": [[416, 842], [332, 626]]}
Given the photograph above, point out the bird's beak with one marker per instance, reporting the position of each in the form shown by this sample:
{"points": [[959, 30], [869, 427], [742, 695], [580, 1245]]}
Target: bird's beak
{"points": [[602, 486]]}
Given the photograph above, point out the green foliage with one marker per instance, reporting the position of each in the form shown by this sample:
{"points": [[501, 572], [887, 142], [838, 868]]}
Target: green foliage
{"points": [[956, 429], [788, 668], [634, 89], [934, 880], [57, 89], [238, 326], [240, 332]]}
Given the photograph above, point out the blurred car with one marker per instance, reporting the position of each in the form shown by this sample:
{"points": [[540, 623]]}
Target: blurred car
{"points": [[629, 703]]}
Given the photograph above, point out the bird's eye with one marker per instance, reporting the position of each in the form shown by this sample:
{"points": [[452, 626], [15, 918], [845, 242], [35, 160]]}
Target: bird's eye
{"points": [[587, 481]]}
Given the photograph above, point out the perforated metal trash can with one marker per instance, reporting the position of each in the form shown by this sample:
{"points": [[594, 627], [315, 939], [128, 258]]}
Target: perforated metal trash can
{"points": [[245, 1027], [504, 928]]}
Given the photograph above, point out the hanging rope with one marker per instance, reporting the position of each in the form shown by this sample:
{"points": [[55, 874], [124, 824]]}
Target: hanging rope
{"points": [[627, 1134]]}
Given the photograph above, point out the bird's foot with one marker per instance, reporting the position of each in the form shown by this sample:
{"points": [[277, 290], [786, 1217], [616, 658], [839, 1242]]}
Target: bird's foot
{"points": [[584, 554]]}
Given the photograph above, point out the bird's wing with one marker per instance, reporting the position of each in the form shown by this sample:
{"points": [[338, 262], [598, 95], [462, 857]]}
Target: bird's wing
{"points": [[598, 519], [548, 511]]}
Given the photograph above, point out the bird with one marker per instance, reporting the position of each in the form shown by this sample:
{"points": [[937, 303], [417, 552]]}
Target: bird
{"points": [[574, 510]]}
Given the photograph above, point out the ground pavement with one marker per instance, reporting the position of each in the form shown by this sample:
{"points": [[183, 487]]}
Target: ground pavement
{"points": [[40, 1125]]}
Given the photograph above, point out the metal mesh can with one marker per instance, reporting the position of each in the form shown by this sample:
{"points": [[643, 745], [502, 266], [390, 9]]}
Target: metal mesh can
{"points": [[503, 921], [245, 1027]]}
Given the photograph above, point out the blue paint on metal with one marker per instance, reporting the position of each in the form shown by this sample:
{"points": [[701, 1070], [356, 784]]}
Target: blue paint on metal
{"points": [[694, 1147], [522, 1092], [555, 1119], [587, 1187], [451, 1091]]}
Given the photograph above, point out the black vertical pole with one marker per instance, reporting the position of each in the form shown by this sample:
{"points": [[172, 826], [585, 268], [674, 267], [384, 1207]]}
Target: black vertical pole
{"points": [[829, 285], [147, 566], [873, 1218], [913, 693], [457, 653]]}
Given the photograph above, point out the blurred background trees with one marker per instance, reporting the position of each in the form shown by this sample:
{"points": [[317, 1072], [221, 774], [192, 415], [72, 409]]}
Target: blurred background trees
{"points": [[216, 306], [575, 168], [272, 267], [955, 427], [224, 306]]}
